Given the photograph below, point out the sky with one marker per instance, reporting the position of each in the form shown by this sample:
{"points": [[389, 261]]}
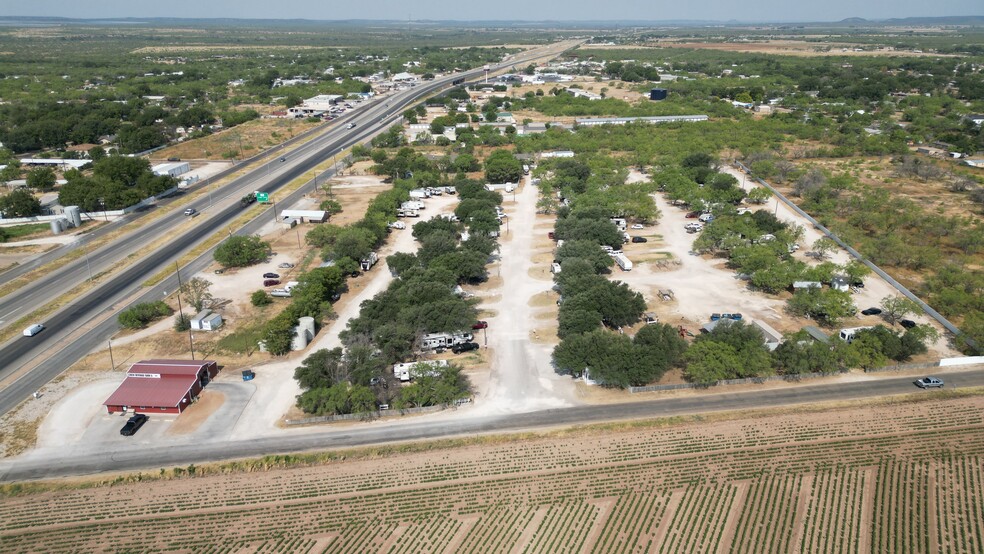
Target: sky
{"points": [[528, 10]]}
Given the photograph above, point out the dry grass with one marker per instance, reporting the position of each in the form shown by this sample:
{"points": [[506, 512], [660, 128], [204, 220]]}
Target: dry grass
{"points": [[253, 136]]}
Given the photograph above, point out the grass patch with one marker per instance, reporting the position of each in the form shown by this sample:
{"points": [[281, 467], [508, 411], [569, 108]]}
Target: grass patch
{"points": [[243, 341], [19, 231]]}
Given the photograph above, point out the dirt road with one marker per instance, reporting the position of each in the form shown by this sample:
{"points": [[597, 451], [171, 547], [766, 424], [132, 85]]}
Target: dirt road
{"points": [[523, 378]]}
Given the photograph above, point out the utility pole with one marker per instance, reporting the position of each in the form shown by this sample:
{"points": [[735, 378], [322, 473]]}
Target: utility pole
{"points": [[111, 362], [191, 340]]}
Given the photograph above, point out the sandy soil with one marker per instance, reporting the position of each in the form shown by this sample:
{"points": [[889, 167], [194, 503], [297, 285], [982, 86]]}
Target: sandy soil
{"points": [[745, 478], [782, 47]]}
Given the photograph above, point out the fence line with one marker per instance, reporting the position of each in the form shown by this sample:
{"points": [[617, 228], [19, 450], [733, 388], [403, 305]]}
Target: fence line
{"points": [[376, 414], [787, 378], [857, 255]]}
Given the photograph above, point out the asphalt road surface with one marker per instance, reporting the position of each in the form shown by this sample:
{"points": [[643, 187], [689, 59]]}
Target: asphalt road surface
{"points": [[60, 343], [152, 458]]}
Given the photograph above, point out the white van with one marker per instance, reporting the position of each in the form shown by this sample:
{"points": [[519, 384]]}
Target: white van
{"points": [[33, 330]]}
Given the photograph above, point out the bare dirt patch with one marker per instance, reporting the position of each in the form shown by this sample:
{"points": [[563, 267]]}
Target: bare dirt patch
{"points": [[241, 141], [782, 47]]}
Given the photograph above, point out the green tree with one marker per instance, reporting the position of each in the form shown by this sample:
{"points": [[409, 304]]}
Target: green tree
{"points": [[197, 293], [19, 203], [240, 251], [260, 298], [824, 246], [322, 368], [709, 362], [278, 333], [585, 250], [502, 167], [826, 306], [41, 178], [895, 308]]}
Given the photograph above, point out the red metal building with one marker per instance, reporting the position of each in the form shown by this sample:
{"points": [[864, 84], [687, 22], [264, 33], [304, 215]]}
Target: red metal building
{"points": [[161, 386]]}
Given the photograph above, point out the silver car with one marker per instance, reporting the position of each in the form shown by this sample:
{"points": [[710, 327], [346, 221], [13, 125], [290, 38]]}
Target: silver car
{"points": [[929, 383]]}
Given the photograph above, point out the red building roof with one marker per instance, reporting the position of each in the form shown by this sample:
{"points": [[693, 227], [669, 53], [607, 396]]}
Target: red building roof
{"points": [[157, 383]]}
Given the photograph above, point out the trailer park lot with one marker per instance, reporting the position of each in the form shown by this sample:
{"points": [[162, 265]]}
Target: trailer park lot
{"points": [[511, 373]]}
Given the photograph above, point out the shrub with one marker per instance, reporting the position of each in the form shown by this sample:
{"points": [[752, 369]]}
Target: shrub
{"points": [[140, 315], [260, 298]]}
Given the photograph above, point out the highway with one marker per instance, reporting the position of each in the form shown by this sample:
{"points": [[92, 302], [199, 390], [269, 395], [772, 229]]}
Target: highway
{"points": [[76, 330], [133, 457]]}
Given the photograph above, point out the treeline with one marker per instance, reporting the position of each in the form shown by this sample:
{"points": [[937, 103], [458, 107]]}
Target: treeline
{"points": [[894, 231], [423, 298], [593, 309], [116, 182]]}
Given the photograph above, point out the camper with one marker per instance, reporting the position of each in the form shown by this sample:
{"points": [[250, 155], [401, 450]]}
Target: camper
{"points": [[850, 333], [407, 371], [444, 340], [623, 262], [369, 261], [620, 223], [290, 286], [419, 194]]}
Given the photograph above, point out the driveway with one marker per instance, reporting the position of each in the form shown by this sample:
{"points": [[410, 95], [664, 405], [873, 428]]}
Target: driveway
{"points": [[522, 377]]}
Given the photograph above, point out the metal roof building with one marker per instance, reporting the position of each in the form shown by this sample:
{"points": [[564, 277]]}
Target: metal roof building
{"points": [[161, 386], [583, 121]]}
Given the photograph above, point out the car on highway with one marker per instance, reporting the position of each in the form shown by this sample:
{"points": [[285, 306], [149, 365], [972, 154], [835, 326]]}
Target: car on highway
{"points": [[871, 311], [285, 265], [464, 347], [190, 211], [350, 126], [133, 424], [480, 325], [271, 276], [173, 159], [271, 282], [907, 323], [33, 330], [639, 239], [929, 383], [636, 226], [283, 158]]}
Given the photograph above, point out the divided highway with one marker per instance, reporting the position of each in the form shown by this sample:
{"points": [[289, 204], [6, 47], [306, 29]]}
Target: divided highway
{"points": [[65, 341]]}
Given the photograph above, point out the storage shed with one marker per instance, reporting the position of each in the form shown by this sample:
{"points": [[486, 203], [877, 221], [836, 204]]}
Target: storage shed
{"points": [[206, 320], [161, 386]]}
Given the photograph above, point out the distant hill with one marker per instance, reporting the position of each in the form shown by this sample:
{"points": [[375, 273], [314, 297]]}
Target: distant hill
{"points": [[8, 21]]}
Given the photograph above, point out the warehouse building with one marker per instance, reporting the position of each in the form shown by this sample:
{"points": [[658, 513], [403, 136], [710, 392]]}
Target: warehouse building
{"points": [[171, 169], [161, 386]]}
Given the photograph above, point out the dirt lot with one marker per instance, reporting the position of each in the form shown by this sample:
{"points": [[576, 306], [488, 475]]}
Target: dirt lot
{"points": [[854, 477], [783, 47], [241, 141]]}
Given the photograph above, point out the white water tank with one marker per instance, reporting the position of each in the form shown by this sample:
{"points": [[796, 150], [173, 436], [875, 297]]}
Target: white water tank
{"points": [[73, 215], [300, 340], [307, 324], [57, 226]]}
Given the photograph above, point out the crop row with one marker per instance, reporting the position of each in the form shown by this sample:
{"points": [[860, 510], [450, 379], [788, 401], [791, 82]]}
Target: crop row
{"points": [[304, 483]]}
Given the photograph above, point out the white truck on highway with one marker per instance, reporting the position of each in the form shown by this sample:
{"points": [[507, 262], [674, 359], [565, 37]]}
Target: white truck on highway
{"points": [[623, 262]]}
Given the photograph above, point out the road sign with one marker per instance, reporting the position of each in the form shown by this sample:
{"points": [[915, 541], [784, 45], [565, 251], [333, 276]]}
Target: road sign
{"points": [[262, 197]]}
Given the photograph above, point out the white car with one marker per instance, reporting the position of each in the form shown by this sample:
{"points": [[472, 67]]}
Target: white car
{"points": [[398, 225], [33, 330], [637, 226]]}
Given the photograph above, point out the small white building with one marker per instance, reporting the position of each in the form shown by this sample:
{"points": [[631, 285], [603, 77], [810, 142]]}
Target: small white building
{"points": [[206, 320], [557, 154], [311, 216], [171, 169]]}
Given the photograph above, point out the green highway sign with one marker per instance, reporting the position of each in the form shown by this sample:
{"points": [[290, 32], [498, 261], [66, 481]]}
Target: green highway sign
{"points": [[262, 197]]}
